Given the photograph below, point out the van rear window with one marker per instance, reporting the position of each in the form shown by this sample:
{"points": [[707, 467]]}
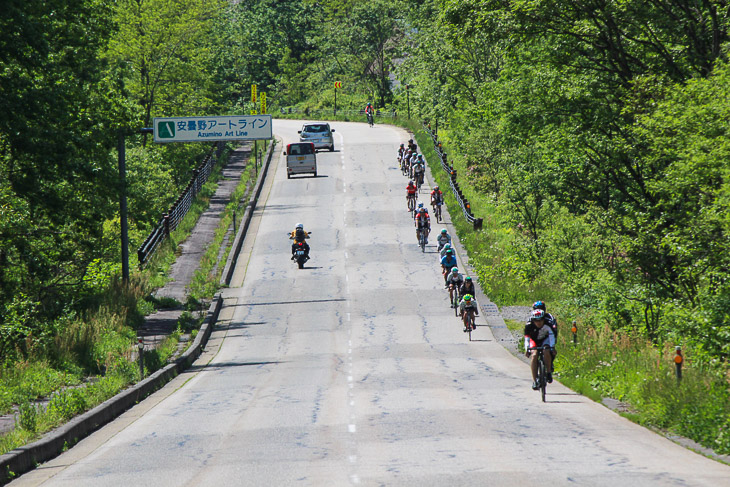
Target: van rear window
{"points": [[302, 149]]}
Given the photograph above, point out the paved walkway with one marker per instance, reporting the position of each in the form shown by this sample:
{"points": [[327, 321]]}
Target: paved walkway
{"points": [[161, 323]]}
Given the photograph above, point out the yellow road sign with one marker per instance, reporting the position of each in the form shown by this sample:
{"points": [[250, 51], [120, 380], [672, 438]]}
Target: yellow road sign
{"points": [[253, 93], [263, 102]]}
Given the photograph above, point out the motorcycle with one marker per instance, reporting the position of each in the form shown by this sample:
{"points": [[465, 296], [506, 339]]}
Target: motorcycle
{"points": [[300, 254], [299, 251]]}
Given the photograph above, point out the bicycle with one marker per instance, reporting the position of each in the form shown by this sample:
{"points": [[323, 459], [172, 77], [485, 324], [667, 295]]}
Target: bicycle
{"points": [[412, 204], [437, 211], [422, 235], [370, 118], [541, 368], [470, 325], [456, 299]]}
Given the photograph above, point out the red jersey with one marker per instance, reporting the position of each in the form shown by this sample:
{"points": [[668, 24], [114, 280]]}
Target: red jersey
{"points": [[411, 189]]}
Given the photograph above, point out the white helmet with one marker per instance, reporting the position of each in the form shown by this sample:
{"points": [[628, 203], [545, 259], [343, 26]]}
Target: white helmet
{"points": [[300, 225]]}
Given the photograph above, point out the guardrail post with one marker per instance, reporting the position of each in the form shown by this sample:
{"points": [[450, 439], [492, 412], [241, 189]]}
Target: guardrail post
{"points": [[478, 223], [678, 359], [140, 257], [574, 330], [140, 347], [166, 224]]}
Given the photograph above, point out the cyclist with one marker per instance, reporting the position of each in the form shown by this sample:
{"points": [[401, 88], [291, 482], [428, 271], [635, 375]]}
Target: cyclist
{"points": [[537, 335], [422, 222], [401, 152], [437, 197], [467, 306], [549, 319], [447, 262], [468, 287], [419, 170], [443, 251], [412, 145], [411, 191], [444, 239], [454, 281], [369, 111]]}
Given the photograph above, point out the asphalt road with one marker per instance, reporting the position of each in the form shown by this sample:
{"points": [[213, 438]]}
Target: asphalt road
{"points": [[355, 371]]}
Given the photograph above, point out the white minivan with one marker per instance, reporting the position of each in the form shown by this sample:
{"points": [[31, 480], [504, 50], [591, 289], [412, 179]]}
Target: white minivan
{"points": [[301, 158]]}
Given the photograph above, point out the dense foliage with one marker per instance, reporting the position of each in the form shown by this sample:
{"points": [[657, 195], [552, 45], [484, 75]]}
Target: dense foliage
{"points": [[591, 136]]}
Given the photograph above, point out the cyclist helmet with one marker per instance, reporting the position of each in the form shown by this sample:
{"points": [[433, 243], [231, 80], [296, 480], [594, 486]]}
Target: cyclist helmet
{"points": [[537, 314], [300, 225], [410, 141], [449, 252], [402, 145], [467, 278], [443, 231], [420, 204], [454, 270], [447, 246], [467, 297], [420, 156], [435, 188], [410, 183], [539, 305]]}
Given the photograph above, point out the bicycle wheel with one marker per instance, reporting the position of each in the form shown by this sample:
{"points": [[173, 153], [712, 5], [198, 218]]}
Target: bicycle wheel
{"points": [[471, 325], [456, 303], [423, 242], [438, 213], [542, 379]]}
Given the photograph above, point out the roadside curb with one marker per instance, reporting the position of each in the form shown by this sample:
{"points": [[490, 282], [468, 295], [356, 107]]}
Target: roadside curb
{"points": [[230, 266], [26, 458]]}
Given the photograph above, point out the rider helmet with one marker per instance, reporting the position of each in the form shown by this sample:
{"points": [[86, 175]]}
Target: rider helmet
{"points": [[402, 145], [410, 183], [420, 205], [443, 231], [467, 278], [435, 188], [539, 305], [410, 141], [467, 297], [454, 270], [537, 314], [447, 246], [420, 157], [300, 225], [449, 252]]}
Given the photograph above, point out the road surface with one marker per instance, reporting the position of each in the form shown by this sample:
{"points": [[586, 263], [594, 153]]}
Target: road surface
{"points": [[354, 370]]}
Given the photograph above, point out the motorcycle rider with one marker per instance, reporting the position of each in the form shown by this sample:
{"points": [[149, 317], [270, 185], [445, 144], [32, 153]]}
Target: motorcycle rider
{"points": [[422, 222], [444, 239], [299, 235]]}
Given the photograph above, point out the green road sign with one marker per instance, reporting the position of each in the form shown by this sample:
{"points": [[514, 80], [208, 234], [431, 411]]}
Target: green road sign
{"points": [[165, 130]]}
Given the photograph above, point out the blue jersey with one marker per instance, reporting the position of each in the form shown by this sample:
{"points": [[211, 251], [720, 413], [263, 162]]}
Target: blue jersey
{"points": [[449, 261]]}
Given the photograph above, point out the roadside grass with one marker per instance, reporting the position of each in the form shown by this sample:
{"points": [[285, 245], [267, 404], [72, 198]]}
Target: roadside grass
{"points": [[92, 355], [206, 280]]}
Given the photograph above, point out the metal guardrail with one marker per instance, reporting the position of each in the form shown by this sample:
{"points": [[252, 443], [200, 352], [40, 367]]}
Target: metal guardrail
{"points": [[460, 198], [178, 209]]}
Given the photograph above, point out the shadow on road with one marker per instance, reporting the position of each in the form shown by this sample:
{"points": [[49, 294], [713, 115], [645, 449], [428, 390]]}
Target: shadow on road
{"points": [[225, 365], [305, 301]]}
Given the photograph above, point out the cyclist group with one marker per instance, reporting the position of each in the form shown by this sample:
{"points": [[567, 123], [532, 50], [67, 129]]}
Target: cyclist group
{"points": [[461, 288], [541, 330]]}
